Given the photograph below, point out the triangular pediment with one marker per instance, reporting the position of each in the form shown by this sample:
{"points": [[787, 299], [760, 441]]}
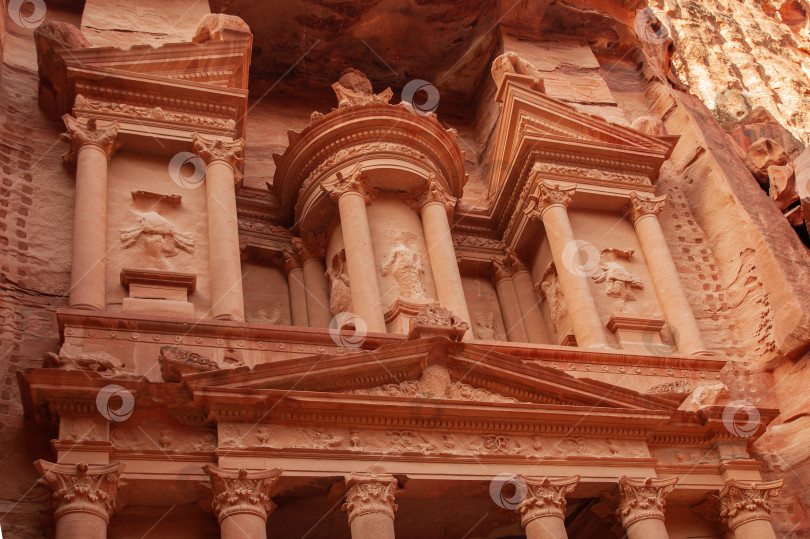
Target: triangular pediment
{"points": [[434, 368]]}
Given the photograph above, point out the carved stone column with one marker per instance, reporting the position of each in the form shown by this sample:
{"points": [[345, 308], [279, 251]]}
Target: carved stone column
{"points": [[242, 501], [542, 511], [527, 300], [221, 159], [434, 205], [317, 289], [745, 508], [641, 506], [549, 202], [508, 300], [84, 497], [295, 283], [677, 311], [352, 196], [370, 505], [91, 148]]}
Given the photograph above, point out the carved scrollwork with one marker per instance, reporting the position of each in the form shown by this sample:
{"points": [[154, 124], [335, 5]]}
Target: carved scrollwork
{"points": [[100, 134], [352, 183], [544, 497], [242, 491], [740, 502], [434, 191], [82, 488], [546, 194], [210, 150], [643, 498], [641, 205], [370, 493]]}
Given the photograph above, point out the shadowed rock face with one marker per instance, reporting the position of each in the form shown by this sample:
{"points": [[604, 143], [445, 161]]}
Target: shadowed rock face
{"points": [[448, 42]]}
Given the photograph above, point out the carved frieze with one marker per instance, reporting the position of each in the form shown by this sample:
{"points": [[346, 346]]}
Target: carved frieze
{"points": [[84, 104], [590, 173]]}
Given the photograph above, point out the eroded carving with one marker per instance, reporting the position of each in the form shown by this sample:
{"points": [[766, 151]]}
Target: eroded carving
{"points": [[242, 491], [340, 293], [100, 134], [158, 236], [642, 498], [549, 289], [82, 488], [353, 88], [73, 357], [618, 281], [510, 62], [370, 493], [405, 266], [740, 502], [545, 497]]}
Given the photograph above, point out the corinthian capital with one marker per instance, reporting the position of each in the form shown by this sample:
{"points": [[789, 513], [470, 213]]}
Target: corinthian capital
{"points": [[242, 491], [370, 493], [82, 488], [214, 149], [353, 183], [101, 134], [292, 260], [640, 499], [434, 192], [544, 497], [310, 247], [546, 194], [743, 501], [641, 205]]}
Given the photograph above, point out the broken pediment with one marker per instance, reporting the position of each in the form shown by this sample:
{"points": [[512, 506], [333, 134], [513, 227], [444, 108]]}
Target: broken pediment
{"points": [[435, 368]]}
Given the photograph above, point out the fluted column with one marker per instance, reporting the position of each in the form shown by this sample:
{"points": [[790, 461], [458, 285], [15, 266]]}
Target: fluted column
{"points": [[549, 203], [542, 511], [527, 301], [435, 205], [507, 298], [91, 148], [295, 283], [242, 501], [641, 506], [677, 311], [745, 508], [84, 497], [312, 252], [352, 196], [221, 174], [370, 505]]}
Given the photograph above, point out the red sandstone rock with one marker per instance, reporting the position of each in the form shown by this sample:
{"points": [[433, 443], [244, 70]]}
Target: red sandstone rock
{"points": [[763, 154]]}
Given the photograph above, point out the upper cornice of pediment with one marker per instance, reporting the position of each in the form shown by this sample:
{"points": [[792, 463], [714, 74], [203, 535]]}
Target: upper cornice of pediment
{"points": [[198, 86]]}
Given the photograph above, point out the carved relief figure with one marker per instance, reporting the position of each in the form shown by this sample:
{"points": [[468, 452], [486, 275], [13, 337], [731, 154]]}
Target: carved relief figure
{"points": [[273, 315], [158, 236], [485, 326], [408, 271], [510, 62], [354, 88], [618, 281], [340, 293], [549, 288]]}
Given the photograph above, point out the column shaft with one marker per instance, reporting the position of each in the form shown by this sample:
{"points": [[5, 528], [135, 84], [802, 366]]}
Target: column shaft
{"points": [[584, 316], [550, 527], [667, 283], [443, 261], [754, 529], [512, 317], [360, 262], [527, 300], [241, 501], [317, 290], [298, 299], [372, 526], [227, 301], [80, 526], [87, 275], [370, 505], [243, 526], [650, 528]]}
